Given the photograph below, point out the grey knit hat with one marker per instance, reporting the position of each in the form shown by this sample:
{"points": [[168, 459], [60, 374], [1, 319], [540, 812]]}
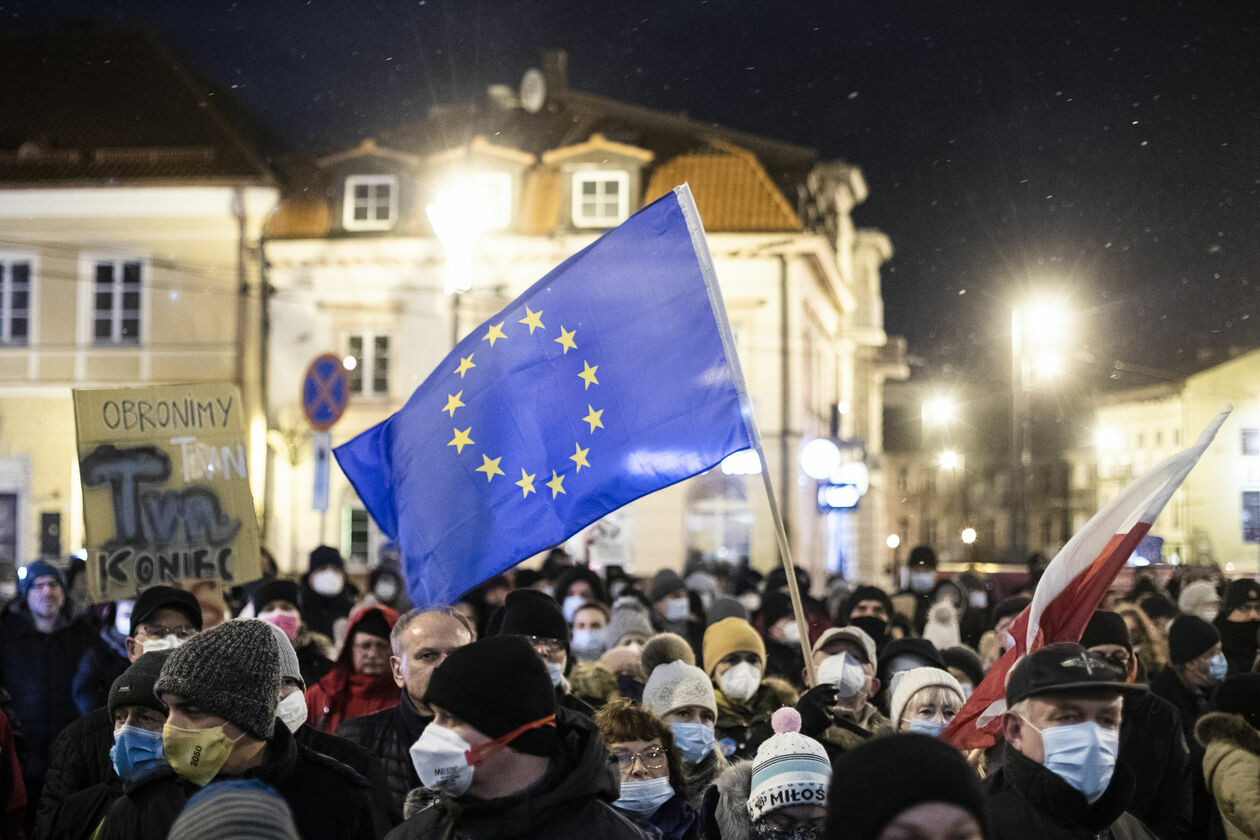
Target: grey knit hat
{"points": [[627, 619], [289, 667], [231, 809], [231, 671]]}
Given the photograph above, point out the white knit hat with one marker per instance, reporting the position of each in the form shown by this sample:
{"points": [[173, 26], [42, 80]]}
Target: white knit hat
{"points": [[1197, 596], [790, 768], [677, 684], [906, 683]]}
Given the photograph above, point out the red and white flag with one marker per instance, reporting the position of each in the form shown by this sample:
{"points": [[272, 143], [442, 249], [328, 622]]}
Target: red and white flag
{"points": [[1074, 585]]}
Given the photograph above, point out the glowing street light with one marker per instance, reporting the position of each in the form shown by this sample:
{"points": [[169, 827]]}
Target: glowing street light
{"points": [[820, 458], [349, 362], [949, 460], [969, 535], [893, 541], [939, 411]]}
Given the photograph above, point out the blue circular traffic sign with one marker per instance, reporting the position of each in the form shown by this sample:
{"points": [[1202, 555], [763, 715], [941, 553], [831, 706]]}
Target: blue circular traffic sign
{"points": [[325, 391]]}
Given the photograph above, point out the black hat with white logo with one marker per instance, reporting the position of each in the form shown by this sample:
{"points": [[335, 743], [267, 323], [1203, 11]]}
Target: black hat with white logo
{"points": [[1064, 667]]}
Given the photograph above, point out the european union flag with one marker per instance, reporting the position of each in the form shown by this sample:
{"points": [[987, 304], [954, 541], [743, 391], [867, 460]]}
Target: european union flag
{"points": [[612, 377]]}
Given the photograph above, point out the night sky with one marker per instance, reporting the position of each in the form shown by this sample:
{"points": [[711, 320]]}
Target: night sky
{"points": [[1109, 150]]}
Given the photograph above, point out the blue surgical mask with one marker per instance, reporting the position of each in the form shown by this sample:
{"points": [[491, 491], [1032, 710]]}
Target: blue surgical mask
{"points": [[1218, 667], [1081, 754], [556, 671], [644, 797], [571, 605], [136, 752], [694, 740], [932, 728], [588, 644]]}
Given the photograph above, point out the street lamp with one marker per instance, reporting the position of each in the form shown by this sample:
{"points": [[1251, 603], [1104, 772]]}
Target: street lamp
{"points": [[457, 215], [939, 411], [949, 460], [969, 535]]}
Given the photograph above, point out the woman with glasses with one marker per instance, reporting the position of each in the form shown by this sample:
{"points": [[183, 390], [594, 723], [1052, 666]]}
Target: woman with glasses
{"points": [[653, 787]]}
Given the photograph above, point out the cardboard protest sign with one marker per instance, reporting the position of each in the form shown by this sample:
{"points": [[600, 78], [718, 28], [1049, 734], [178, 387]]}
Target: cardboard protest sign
{"points": [[166, 493]]}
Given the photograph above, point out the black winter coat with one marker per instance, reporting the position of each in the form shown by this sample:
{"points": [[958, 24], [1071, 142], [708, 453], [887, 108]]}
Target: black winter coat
{"points": [[79, 760], [1029, 802], [1152, 747], [38, 670], [1190, 705], [389, 734], [78, 815], [320, 612], [329, 800], [573, 800], [356, 758]]}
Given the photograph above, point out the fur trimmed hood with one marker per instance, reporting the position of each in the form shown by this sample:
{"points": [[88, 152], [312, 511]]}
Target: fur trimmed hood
{"points": [[1222, 726], [734, 787]]}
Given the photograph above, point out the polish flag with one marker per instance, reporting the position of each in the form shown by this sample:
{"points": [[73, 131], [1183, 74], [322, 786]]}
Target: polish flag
{"points": [[1074, 585]]}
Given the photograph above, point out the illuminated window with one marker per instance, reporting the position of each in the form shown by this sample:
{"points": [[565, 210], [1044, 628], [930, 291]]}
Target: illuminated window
{"points": [[116, 298], [371, 202], [15, 301], [600, 199]]}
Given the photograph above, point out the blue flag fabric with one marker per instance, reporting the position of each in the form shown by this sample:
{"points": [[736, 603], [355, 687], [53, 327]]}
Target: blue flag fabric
{"points": [[612, 377]]}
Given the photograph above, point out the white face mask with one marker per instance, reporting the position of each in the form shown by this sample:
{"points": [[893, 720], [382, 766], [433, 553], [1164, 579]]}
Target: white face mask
{"points": [[751, 601], [327, 582], [922, 581], [292, 711], [588, 644], [677, 609], [1208, 614], [792, 633], [167, 642], [843, 671], [571, 605], [740, 682], [556, 671], [978, 600], [386, 589], [441, 760], [644, 796]]}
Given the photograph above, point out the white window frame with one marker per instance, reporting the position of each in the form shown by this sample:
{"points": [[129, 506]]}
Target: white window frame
{"points": [[116, 314], [349, 222], [7, 259], [580, 219], [366, 367], [495, 189]]}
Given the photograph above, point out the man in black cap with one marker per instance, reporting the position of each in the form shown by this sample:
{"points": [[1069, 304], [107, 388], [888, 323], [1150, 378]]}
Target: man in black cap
{"points": [[1059, 775], [500, 759], [327, 596], [870, 609], [163, 618], [1151, 741], [1239, 623], [671, 608], [537, 617]]}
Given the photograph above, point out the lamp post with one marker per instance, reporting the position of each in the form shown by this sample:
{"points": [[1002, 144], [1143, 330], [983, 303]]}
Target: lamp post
{"points": [[456, 214]]}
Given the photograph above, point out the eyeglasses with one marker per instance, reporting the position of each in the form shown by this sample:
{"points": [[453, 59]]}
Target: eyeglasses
{"points": [[653, 758], [544, 645], [1118, 660], [157, 631]]}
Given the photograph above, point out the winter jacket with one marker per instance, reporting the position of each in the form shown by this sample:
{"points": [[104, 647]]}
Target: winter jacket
{"points": [[314, 655], [1029, 802], [12, 790], [38, 671], [1238, 642], [1190, 705], [702, 775], [1231, 767], [784, 661], [341, 693], [78, 761], [329, 800], [675, 820], [101, 665], [389, 735], [1152, 747], [846, 734], [572, 800], [356, 758], [742, 726], [724, 814], [77, 816], [321, 612]]}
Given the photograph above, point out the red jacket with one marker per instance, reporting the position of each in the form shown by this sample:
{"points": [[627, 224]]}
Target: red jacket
{"points": [[342, 693]]}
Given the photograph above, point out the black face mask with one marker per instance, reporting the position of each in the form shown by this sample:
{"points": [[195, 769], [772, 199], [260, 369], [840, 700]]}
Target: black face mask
{"points": [[1239, 634], [873, 626]]}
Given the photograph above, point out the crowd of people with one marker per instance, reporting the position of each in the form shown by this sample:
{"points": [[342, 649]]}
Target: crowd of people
{"points": [[568, 702]]}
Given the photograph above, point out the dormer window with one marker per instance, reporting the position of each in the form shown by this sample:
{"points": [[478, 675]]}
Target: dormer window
{"points": [[494, 189], [601, 199], [371, 202]]}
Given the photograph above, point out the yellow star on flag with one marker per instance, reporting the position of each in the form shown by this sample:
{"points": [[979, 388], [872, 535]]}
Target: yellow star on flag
{"points": [[464, 365], [556, 484], [593, 417], [533, 320], [526, 484], [494, 333], [453, 402], [579, 457], [461, 440], [589, 375], [566, 339], [490, 466]]}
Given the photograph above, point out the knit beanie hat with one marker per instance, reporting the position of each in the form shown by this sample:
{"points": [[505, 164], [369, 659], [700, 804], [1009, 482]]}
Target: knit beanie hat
{"points": [[964, 659], [231, 671], [907, 683], [374, 622], [777, 579], [775, 606], [1106, 628], [790, 768], [231, 809], [277, 590], [624, 660], [157, 598], [664, 582], [574, 574], [725, 607], [289, 667], [921, 650], [627, 619], [883, 777], [134, 687], [865, 593], [497, 685], [1190, 637], [676, 684], [39, 569], [666, 647], [728, 636], [1013, 605], [326, 555], [528, 612], [1240, 592], [1195, 596]]}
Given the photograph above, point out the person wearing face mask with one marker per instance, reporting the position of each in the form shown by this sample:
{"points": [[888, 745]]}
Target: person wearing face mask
{"points": [[837, 710], [653, 786], [870, 609], [1151, 740], [1059, 776], [734, 658], [360, 682], [327, 595], [780, 795], [1199, 598], [784, 658], [104, 663], [279, 602], [682, 696], [590, 631], [576, 586], [421, 641], [537, 617], [501, 759], [924, 700], [221, 690], [671, 608], [902, 655], [1239, 623], [136, 716], [386, 588], [161, 619]]}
